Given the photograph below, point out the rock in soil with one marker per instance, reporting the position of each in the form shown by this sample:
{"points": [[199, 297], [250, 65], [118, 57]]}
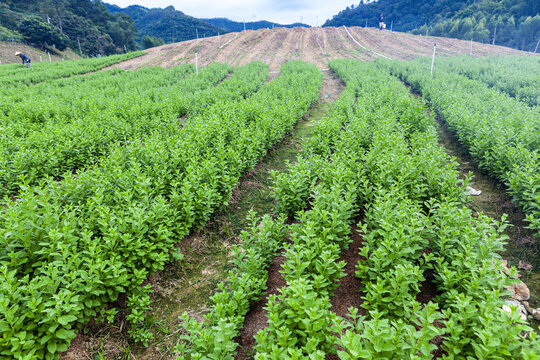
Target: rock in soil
{"points": [[534, 312], [473, 192], [520, 291], [522, 310]]}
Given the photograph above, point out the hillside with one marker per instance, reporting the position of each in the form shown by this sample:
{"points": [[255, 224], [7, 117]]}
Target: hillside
{"points": [[68, 23], [512, 23], [236, 26], [168, 24], [172, 25], [315, 45]]}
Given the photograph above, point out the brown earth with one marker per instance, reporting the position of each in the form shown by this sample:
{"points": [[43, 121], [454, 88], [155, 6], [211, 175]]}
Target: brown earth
{"points": [[314, 45], [255, 319], [348, 294]]}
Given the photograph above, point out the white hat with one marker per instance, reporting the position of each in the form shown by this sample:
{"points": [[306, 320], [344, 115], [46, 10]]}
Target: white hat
{"points": [[17, 53]]}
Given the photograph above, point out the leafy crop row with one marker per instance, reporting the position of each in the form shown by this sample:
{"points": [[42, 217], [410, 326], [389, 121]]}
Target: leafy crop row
{"points": [[515, 75], [501, 133], [37, 146], [376, 156], [214, 337], [70, 248], [415, 224], [43, 71]]}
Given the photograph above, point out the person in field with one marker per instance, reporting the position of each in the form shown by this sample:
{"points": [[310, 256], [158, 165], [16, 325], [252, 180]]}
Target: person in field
{"points": [[381, 22], [25, 59]]}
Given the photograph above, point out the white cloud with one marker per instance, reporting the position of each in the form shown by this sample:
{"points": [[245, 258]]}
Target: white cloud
{"points": [[282, 11]]}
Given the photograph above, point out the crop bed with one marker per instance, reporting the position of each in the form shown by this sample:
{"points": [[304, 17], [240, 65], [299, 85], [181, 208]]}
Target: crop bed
{"points": [[499, 131], [69, 248], [375, 156], [103, 174]]}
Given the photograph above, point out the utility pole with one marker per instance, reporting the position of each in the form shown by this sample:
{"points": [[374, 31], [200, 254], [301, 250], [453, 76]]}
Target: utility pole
{"points": [[433, 59], [244, 25], [470, 51], [494, 34], [197, 31], [125, 50], [366, 24], [391, 25], [536, 48]]}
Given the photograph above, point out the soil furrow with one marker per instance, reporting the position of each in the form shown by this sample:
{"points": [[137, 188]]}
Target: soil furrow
{"points": [[348, 294]]}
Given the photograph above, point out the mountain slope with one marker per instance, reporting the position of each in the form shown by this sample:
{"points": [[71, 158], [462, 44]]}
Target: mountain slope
{"points": [[68, 22], [236, 26], [168, 24], [514, 23]]}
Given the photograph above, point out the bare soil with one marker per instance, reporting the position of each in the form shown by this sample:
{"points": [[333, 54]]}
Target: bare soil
{"points": [[348, 294], [277, 46], [255, 319]]}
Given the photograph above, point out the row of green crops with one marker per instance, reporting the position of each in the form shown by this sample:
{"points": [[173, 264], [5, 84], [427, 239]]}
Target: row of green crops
{"points": [[84, 129], [501, 133], [16, 76], [70, 248], [375, 156], [518, 76]]}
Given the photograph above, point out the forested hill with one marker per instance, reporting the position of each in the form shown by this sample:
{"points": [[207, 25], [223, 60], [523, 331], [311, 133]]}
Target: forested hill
{"points": [[169, 24], [65, 23], [236, 26], [513, 23]]}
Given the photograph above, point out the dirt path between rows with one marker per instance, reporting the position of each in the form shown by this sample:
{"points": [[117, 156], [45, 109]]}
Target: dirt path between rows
{"points": [[522, 249], [255, 319], [348, 294]]}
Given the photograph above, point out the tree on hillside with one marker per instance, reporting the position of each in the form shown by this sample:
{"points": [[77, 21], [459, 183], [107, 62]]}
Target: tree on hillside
{"points": [[151, 41], [42, 33]]}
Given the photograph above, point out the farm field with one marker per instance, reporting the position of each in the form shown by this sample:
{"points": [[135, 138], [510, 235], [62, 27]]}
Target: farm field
{"points": [[276, 46], [269, 206]]}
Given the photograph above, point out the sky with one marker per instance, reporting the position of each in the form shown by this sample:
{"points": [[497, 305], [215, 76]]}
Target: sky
{"points": [[312, 12]]}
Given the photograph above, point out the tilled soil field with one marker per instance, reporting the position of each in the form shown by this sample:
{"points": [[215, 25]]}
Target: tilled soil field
{"points": [[314, 45]]}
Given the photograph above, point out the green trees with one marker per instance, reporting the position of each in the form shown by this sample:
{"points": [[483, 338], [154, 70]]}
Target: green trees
{"points": [[70, 23], [151, 41], [39, 32], [169, 24]]}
